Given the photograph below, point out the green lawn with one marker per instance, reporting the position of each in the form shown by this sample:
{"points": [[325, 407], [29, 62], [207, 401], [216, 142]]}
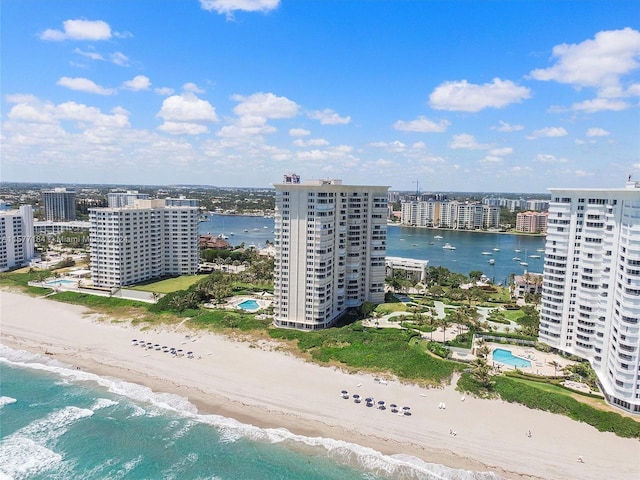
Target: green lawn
{"points": [[512, 315], [170, 284]]}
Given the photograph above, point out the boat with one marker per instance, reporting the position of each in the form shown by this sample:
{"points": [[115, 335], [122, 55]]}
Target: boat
{"points": [[402, 239], [491, 261], [245, 230], [524, 264], [539, 249], [437, 237], [232, 234], [496, 249], [448, 246], [517, 250], [222, 236], [487, 253], [534, 256], [265, 227], [517, 259]]}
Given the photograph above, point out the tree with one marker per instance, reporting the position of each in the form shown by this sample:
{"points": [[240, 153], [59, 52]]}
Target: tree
{"points": [[475, 276], [481, 373], [444, 323], [556, 366]]}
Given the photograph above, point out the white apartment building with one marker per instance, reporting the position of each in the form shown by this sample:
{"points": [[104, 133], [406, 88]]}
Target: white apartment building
{"points": [[124, 199], [16, 237], [450, 214], [149, 239], [591, 289], [330, 242]]}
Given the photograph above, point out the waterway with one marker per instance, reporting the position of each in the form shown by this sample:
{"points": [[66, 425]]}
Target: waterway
{"points": [[411, 242]]}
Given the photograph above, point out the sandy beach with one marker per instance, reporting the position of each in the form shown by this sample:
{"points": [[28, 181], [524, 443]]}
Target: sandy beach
{"points": [[257, 384]]}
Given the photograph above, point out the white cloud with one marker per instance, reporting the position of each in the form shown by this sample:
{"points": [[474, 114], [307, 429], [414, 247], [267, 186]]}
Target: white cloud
{"points": [[548, 158], [247, 126], [548, 132], [419, 146], [312, 142], [600, 104], [467, 142], [164, 91], [227, 7], [30, 113], [501, 151], [89, 54], [395, 146], [84, 85], [299, 132], [183, 128], [328, 117], [468, 97], [491, 160], [422, 124], [187, 108], [597, 132], [583, 173], [266, 105], [79, 30], [137, 83], [505, 127], [192, 88], [185, 114], [597, 62], [120, 59]]}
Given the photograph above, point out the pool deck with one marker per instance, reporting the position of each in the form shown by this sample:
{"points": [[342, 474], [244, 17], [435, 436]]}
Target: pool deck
{"points": [[540, 361], [234, 303]]}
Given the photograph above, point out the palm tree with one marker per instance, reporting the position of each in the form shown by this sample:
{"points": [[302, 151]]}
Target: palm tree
{"points": [[444, 323], [555, 366]]}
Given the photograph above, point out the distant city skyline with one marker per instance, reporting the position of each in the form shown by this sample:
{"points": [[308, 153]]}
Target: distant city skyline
{"points": [[481, 96]]}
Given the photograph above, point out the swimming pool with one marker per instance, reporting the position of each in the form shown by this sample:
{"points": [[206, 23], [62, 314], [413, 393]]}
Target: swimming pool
{"points": [[61, 281], [249, 305], [508, 358]]}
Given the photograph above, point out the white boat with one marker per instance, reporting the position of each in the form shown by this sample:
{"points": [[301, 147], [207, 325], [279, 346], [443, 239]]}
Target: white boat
{"points": [[222, 236], [491, 261], [496, 249], [438, 237], [265, 227], [524, 264], [487, 253], [517, 259], [402, 239], [540, 250], [534, 256], [447, 246], [232, 234], [517, 250]]}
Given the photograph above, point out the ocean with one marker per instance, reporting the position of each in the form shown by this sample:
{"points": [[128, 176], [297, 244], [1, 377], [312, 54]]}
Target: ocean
{"points": [[420, 243], [61, 423]]}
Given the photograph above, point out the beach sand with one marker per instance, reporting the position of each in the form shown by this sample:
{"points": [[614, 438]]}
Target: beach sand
{"points": [[259, 385]]}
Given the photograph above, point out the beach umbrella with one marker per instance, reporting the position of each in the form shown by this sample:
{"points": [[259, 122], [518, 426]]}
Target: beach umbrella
{"points": [[355, 395], [368, 399], [344, 392]]}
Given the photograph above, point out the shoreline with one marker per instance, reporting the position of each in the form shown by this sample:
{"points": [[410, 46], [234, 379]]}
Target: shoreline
{"points": [[256, 384], [438, 229]]}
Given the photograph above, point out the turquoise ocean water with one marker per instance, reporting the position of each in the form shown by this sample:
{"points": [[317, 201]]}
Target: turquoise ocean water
{"points": [[61, 423]]}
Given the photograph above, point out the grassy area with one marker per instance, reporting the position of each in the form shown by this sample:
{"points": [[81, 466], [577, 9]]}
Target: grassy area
{"points": [[512, 315], [387, 308], [169, 285], [554, 399], [379, 350]]}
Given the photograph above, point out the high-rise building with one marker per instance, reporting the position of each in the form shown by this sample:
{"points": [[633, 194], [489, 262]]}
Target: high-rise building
{"points": [[59, 204], [149, 239], [330, 242], [591, 290], [124, 199], [16, 237], [531, 222]]}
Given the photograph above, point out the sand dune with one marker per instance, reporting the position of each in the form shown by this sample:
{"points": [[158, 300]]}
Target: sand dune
{"points": [[257, 384]]}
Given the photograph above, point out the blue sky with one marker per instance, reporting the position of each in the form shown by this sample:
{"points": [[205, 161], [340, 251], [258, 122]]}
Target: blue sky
{"points": [[494, 96]]}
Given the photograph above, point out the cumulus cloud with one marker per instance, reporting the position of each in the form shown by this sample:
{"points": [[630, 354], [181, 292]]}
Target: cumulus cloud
{"points": [[467, 142], [506, 127], [119, 59], [312, 142], [491, 160], [187, 108], [299, 132], [548, 158], [422, 124], [597, 62], [247, 126], [328, 117], [192, 88], [548, 132], [463, 96], [597, 132], [501, 151], [137, 83], [79, 30], [600, 104], [185, 114], [228, 7], [164, 91], [266, 105], [84, 85], [395, 146]]}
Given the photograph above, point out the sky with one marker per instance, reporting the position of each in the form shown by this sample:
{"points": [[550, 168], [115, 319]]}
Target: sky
{"points": [[483, 96]]}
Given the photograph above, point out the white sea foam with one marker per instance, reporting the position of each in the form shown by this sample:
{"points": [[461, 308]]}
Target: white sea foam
{"points": [[404, 466], [6, 401], [103, 403], [52, 426], [22, 458]]}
